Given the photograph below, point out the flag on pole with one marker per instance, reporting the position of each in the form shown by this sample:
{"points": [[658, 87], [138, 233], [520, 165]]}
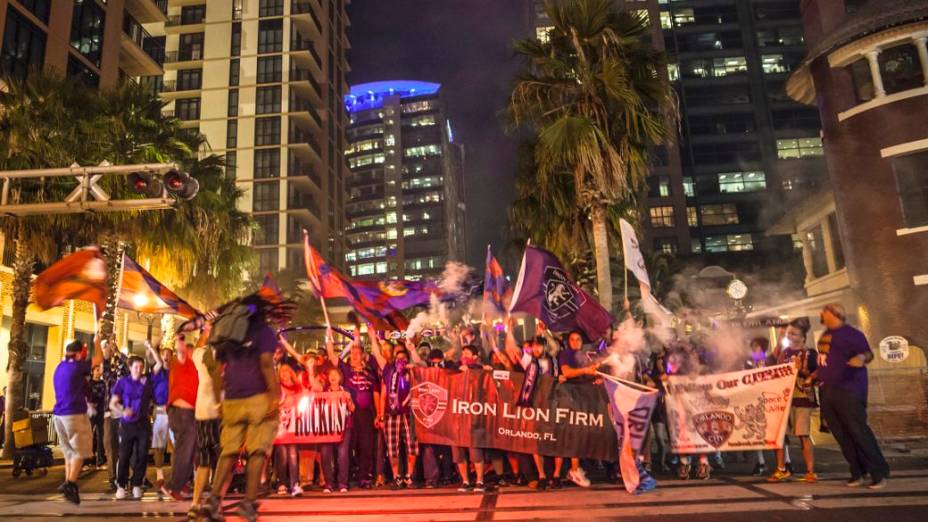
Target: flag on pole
{"points": [[378, 302], [631, 251], [630, 406], [80, 276], [495, 285], [141, 292], [545, 291]]}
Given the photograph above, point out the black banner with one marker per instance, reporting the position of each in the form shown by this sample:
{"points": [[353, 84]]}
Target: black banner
{"points": [[477, 408]]}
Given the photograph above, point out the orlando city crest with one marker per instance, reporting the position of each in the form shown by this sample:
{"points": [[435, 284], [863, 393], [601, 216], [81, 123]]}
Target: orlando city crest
{"points": [[715, 427], [560, 298], [393, 288], [429, 402]]}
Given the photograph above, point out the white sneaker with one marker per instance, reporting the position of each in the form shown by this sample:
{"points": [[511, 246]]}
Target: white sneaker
{"points": [[327, 490], [121, 493], [343, 490], [578, 477], [136, 492], [297, 491]]}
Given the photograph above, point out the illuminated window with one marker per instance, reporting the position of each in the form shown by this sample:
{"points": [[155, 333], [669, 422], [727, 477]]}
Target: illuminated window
{"points": [[361, 161], [422, 151], [742, 182], [542, 33], [691, 218], [729, 243], [421, 121], [391, 233], [365, 269], [799, 148], [643, 15], [673, 71], [661, 217], [363, 145], [418, 106], [715, 215], [683, 16], [773, 64], [391, 217], [666, 20], [409, 231], [667, 245], [689, 189]]}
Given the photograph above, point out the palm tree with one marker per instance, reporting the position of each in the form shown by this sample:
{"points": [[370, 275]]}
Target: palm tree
{"points": [[41, 124], [597, 98]]}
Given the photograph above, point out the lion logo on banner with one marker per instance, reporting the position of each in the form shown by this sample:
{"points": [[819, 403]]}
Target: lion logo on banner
{"points": [[560, 297], [753, 419], [715, 427], [429, 402]]}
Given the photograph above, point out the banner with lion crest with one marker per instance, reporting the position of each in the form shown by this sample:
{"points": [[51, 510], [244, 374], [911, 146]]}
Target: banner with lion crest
{"points": [[736, 411]]}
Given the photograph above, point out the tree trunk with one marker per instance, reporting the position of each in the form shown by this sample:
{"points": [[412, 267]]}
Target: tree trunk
{"points": [[113, 250], [601, 253], [18, 350]]}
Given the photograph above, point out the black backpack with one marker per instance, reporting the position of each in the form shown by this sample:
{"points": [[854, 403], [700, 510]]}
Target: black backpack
{"points": [[229, 332]]}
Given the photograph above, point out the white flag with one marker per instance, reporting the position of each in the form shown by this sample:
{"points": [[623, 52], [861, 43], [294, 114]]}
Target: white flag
{"points": [[630, 406], [634, 261]]}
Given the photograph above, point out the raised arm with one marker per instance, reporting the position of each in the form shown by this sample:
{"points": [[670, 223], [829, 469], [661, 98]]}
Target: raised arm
{"points": [[159, 362], [493, 343], [330, 347], [414, 353], [375, 346], [512, 347]]}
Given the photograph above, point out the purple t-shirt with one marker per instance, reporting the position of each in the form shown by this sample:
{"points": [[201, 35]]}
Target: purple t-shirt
{"points": [[135, 395], [243, 377], [159, 383], [70, 382], [361, 384], [398, 392], [836, 348]]}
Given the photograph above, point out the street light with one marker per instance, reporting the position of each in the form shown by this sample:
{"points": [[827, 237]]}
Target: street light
{"points": [[140, 301]]}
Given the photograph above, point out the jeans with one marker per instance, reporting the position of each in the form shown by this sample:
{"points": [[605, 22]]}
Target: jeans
{"points": [[99, 452], [362, 442], [846, 415], [111, 444], [133, 446], [342, 452], [184, 426], [436, 462], [287, 464]]}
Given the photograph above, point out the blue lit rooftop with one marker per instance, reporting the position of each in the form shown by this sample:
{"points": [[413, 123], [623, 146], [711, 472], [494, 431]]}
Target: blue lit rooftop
{"points": [[366, 96]]}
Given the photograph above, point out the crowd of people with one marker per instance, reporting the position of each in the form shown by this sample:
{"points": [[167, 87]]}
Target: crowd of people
{"points": [[225, 413]]}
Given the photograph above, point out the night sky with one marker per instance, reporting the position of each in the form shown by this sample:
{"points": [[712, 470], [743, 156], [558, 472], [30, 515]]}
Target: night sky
{"points": [[466, 45]]}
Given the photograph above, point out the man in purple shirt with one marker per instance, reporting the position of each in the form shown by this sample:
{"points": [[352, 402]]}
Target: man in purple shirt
{"points": [[131, 399], [71, 421], [843, 353], [250, 416]]}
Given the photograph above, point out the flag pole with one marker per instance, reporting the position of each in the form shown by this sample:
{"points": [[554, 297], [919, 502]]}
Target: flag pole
{"points": [[311, 263], [625, 304]]}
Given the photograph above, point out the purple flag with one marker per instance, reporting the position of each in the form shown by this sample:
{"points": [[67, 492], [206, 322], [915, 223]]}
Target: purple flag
{"points": [[545, 291]]}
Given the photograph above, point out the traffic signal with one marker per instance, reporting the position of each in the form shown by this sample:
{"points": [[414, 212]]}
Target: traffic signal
{"points": [[181, 185], [145, 184]]}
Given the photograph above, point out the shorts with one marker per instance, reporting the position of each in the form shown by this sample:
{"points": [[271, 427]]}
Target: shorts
{"points": [[400, 429], [208, 446], [461, 455], [800, 422], [159, 429], [75, 436], [248, 422]]}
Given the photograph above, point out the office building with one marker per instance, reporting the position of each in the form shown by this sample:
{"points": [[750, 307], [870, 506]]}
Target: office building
{"points": [[263, 80], [405, 209], [746, 151]]}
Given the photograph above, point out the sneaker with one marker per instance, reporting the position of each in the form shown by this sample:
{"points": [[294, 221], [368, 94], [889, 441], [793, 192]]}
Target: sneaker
{"points": [[194, 512], [704, 471], [248, 510], [556, 483], [855, 482], [121, 493], [146, 485], [578, 477], [343, 490], [683, 471], [408, 482], [759, 469], [878, 484], [180, 496], [282, 490], [211, 509], [502, 482], [165, 492], [137, 493], [62, 487], [479, 487], [648, 483], [296, 491], [789, 467], [780, 475], [543, 484], [327, 490], [465, 487], [532, 484], [430, 484], [520, 480], [365, 484], [810, 478], [398, 484], [71, 494]]}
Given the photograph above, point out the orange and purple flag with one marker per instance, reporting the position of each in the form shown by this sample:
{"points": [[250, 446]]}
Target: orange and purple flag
{"points": [[141, 292], [495, 285], [80, 276]]}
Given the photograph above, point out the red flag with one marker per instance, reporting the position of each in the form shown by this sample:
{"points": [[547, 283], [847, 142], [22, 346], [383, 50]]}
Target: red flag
{"points": [[141, 292], [81, 276]]}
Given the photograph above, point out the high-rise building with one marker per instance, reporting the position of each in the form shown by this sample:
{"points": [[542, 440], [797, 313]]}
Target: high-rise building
{"points": [[746, 151], [99, 42], [405, 209], [264, 80]]}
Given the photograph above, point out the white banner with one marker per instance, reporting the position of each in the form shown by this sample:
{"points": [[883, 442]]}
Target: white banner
{"points": [[630, 406], [735, 411], [634, 261]]}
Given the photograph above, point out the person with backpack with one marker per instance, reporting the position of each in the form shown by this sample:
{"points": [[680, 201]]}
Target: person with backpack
{"points": [[245, 343]]}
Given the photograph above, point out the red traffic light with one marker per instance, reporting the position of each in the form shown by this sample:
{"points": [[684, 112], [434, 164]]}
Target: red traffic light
{"points": [[145, 185], [181, 185]]}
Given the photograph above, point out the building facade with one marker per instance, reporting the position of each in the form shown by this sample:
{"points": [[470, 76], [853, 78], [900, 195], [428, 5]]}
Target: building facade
{"points": [[746, 151], [101, 43], [263, 80], [405, 209]]}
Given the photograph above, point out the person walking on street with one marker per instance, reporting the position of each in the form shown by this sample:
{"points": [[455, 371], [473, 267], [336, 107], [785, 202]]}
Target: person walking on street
{"points": [[131, 399], [206, 413], [182, 399], [71, 421], [844, 354], [160, 431]]}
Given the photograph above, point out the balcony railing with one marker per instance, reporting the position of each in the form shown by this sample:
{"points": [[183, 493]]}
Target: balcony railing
{"points": [[303, 7], [300, 170], [176, 20], [183, 56]]}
